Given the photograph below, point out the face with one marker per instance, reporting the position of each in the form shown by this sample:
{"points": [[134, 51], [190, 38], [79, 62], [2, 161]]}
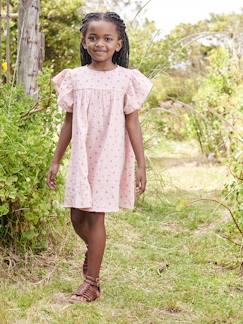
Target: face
{"points": [[101, 41]]}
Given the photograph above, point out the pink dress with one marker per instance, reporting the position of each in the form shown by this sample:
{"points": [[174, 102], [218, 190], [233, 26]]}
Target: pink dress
{"points": [[101, 171]]}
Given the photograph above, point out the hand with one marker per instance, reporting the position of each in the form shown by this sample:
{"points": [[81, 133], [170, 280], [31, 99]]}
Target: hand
{"points": [[140, 180], [51, 178]]}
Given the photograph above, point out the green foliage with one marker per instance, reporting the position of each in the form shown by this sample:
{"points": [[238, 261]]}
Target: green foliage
{"points": [[233, 191], [214, 107], [215, 96], [13, 24], [27, 142], [60, 22], [148, 54], [172, 116]]}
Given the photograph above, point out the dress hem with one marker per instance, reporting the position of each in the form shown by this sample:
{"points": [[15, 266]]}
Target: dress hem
{"points": [[101, 210]]}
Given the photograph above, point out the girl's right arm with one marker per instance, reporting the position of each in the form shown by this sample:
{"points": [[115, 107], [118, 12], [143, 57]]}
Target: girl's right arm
{"points": [[64, 140]]}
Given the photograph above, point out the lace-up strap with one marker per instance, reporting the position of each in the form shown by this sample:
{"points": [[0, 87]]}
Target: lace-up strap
{"points": [[88, 291]]}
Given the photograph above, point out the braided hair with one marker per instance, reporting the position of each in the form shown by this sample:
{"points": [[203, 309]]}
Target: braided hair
{"points": [[121, 57]]}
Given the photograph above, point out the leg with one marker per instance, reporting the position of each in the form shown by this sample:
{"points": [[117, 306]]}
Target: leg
{"points": [[97, 240], [90, 288], [80, 224]]}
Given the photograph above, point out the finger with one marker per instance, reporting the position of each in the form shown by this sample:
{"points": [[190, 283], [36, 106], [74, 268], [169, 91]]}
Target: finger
{"points": [[138, 189], [137, 181], [51, 184], [51, 180], [143, 185]]}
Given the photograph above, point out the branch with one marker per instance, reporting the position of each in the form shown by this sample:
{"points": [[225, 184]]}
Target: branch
{"points": [[11, 15], [229, 239], [190, 107], [234, 175], [221, 204]]}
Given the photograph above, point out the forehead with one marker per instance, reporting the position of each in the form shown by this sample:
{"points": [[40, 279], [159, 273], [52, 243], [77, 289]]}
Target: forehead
{"points": [[102, 27]]}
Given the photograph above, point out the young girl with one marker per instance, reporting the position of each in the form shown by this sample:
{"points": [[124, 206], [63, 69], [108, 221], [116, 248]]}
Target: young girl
{"points": [[101, 99]]}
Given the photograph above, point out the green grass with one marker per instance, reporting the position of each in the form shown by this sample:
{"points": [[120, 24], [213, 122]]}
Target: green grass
{"points": [[164, 263]]}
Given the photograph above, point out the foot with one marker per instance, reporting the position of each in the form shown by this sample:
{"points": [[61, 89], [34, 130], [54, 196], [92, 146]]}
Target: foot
{"points": [[87, 292]]}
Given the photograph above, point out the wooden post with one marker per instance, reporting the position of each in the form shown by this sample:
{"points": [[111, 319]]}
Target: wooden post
{"points": [[0, 39], [8, 43], [28, 44]]}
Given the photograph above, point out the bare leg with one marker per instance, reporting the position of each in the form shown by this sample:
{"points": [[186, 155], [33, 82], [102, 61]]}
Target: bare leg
{"points": [[80, 223], [95, 236], [96, 240]]}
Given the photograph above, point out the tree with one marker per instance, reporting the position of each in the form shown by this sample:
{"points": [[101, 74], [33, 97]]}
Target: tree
{"points": [[60, 22]]}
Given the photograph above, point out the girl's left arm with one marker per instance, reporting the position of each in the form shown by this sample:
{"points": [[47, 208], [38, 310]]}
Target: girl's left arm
{"points": [[136, 138]]}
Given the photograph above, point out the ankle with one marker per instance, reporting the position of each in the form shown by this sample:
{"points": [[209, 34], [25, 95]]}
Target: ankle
{"points": [[94, 281]]}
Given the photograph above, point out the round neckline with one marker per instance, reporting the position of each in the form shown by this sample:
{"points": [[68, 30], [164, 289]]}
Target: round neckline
{"points": [[104, 71]]}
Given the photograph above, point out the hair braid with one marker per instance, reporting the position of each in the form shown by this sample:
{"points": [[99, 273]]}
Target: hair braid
{"points": [[121, 57]]}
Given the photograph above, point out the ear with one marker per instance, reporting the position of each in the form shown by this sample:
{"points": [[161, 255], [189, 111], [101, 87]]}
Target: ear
{"points": [[83, 44], [119, 45]]}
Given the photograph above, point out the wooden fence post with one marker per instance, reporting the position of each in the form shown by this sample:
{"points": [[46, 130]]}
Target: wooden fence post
{"points": [[8, 42], [0, 39], [29, 46]]}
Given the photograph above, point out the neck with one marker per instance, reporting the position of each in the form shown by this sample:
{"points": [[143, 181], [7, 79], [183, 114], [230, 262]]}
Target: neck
{"points": [[102, 66]]}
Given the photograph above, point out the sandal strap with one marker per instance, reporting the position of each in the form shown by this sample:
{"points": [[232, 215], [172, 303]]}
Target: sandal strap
{"points": [[81, 289], [85, 263], [89, 294], [92, 281], [85, 291]]}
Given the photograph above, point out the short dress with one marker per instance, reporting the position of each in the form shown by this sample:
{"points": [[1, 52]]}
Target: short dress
{"points": [[101, 169]]}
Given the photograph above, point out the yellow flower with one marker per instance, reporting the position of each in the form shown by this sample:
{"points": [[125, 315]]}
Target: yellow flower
{"points": [[4, 66]]}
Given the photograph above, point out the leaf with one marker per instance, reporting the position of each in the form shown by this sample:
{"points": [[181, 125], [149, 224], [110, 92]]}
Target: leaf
{"points": [[29, 235], [4, 209]]}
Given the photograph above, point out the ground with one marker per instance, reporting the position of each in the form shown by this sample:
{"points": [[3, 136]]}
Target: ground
{"points": [[165, 262]]}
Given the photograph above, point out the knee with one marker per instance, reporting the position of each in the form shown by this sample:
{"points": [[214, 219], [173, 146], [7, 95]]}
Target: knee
{"points": [[76, 217], [95, 219]]}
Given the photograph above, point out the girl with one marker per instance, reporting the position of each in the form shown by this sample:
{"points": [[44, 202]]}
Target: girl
{"points": [[101, 99]]}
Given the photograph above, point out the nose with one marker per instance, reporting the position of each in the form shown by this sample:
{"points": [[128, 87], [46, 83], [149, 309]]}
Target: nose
{"points": [[99, 43]]}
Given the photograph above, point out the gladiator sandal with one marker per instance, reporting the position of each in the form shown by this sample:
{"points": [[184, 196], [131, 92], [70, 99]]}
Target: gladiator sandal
{"points": [[85, 263], [87, 292]]}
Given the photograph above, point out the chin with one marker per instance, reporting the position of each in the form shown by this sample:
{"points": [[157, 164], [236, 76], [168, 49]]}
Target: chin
{"points": [[98, 60]]}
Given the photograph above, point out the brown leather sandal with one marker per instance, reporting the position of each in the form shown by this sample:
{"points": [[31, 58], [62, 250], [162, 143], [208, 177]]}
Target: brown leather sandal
{"points": [[87, 292]]}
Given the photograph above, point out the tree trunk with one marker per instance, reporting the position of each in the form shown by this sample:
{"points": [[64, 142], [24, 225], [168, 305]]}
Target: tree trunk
{"points": [[29, 44]]}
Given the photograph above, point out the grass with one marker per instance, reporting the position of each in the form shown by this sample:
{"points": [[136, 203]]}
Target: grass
{"points": [[165, 262]]}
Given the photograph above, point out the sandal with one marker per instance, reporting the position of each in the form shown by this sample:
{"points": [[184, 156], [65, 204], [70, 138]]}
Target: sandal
{"points": [[85, 263], [87, 292]]}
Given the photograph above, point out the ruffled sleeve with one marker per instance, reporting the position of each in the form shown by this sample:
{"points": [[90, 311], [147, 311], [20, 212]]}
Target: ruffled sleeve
{"points": [[137, 91], [63, 85]]}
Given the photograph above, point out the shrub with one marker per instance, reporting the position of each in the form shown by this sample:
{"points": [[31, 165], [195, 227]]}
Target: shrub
{"points": [[27, 141]]}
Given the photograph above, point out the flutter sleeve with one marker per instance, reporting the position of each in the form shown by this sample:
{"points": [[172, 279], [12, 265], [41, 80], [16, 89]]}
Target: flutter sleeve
{"points": [[64, 88], [137, 91]]}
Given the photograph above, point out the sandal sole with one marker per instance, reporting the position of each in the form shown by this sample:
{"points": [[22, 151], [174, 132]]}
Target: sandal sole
{"points": [[81, 300]]}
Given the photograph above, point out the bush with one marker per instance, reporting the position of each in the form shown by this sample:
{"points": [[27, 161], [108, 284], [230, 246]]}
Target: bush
{"points": [[27, 141], [216, 107]]}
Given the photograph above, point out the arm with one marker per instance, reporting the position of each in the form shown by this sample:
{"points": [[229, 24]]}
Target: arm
{"points": [[64, 140], [135, 136]]}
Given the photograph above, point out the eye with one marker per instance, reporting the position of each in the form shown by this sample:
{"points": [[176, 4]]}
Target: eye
{"points": [[92, 38], [109, 39]]}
